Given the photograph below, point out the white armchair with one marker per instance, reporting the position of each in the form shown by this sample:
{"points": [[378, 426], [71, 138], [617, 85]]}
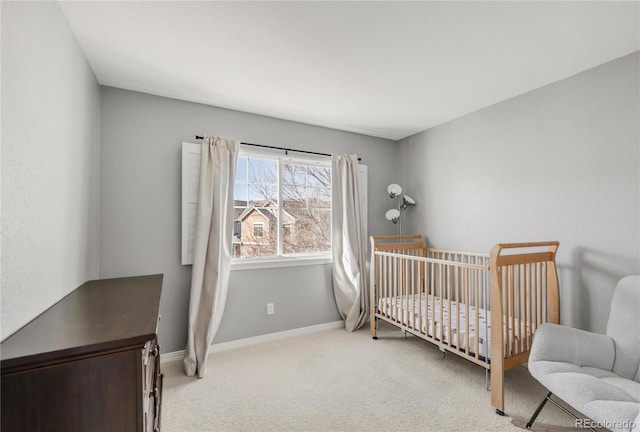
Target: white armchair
{"points": [[598, 375]]}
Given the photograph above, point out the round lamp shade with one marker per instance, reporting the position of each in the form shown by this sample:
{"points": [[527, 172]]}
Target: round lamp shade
{"points": [[406, 202], [393, 215], [394, 190]]}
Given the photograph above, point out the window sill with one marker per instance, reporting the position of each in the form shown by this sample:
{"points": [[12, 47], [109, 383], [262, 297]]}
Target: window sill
{"points": [[252, 264]]}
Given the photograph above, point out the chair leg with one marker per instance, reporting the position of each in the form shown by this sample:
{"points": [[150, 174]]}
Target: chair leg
{"points": [[537, 412], [544, 401]]}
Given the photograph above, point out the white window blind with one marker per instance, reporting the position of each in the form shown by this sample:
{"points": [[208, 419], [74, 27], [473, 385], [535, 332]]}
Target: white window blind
{"points": [[191, 154]]}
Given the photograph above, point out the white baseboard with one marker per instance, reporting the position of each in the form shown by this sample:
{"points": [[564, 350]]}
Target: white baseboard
{"points": [[240, 343]]}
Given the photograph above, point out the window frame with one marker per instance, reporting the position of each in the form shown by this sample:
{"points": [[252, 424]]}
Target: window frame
{"points": [[281, 259]]}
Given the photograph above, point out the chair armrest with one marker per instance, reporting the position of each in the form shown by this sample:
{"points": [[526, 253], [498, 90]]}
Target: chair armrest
{"points": [[553, 342]]}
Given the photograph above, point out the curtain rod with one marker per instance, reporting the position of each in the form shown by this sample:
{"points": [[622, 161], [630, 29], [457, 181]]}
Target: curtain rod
{"points": [[286, 150]]}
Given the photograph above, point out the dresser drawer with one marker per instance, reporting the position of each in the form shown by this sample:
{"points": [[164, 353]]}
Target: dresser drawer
{"points": [[91, 394]]}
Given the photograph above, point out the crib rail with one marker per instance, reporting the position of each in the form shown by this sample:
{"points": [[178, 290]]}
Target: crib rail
{"points": [[404, 244]]}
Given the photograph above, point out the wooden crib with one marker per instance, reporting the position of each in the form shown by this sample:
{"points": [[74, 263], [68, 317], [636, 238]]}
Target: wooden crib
{"points": [[482, 307]]}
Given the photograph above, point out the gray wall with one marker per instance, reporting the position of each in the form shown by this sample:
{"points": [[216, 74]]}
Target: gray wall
{"points": [[558, 163], [140, 210], [50, 150]]}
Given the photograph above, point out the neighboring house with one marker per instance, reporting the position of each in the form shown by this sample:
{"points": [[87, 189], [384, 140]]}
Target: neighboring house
{"points": [[255, 228]]}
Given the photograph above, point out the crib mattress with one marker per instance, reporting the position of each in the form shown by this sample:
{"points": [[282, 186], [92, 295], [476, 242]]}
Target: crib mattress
{"points": [[450, 320]]}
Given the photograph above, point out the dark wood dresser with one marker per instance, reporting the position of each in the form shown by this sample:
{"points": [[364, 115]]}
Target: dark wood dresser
{"points": [[89, 363]]}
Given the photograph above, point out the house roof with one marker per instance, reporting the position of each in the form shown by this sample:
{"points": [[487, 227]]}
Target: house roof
{"points": [[269, 213]]}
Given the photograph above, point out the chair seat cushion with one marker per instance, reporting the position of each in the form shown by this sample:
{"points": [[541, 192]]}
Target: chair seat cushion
{"points": [[543, 368], [632, 388], [599, 394]]}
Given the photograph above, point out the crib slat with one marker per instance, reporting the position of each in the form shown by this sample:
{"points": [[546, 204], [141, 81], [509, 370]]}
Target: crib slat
{"points": [[477, 323], [416, 272], [393, 273], [539, 271], [450, 312], [386, 281], [415, 312], [514, 327], [388, 284], [516, 311], [455, 299], [383, 279], [507, 324], [440, 295], [520, 317], [467, 281], [372, 296], [432, 287], [410, 299], [527, 308], [523, 309]]}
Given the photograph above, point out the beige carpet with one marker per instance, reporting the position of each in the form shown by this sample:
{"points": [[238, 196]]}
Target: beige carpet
{"points": [[339, 381]]}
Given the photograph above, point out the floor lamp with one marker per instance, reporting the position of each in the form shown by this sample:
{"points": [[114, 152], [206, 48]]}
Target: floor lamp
{"points": [[403, 203]]}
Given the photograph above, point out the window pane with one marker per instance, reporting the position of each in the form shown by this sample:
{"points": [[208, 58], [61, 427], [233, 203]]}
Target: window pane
{"points": [[258, 220], [319, 197], [241, 193], [263, 171], [319, 176], [311, 232], [262, 194], [241, 169], [294, 174], [294, 196]]}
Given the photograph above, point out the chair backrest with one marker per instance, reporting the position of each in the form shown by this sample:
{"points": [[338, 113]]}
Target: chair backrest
{"points": [[624, 327]]}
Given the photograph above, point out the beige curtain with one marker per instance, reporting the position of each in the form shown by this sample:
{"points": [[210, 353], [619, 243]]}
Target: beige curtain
{"points": [[349, 278], [212, 249]]}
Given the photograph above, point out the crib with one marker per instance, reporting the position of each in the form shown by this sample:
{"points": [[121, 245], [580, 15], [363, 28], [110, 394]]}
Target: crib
{"points": [[482, 307]]}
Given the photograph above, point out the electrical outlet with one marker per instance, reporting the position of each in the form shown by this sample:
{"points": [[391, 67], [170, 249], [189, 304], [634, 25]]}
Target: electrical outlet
{"points": [[269, 308]]}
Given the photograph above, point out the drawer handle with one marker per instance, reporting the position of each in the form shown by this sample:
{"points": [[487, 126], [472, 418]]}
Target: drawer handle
{"points": [[156, 350], [155, 392]]}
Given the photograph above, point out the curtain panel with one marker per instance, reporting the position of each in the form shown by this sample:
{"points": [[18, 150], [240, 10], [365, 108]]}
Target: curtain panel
{"points": [[212, 249], [349, 278]]}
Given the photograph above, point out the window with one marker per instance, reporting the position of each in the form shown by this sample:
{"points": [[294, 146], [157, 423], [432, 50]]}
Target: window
{"points": [[290, 196], [284, 205], [258, 229]]}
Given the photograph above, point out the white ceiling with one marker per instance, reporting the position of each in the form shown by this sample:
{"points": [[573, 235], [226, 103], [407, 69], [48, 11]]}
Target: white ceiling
{"points": [[388, 69]]}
